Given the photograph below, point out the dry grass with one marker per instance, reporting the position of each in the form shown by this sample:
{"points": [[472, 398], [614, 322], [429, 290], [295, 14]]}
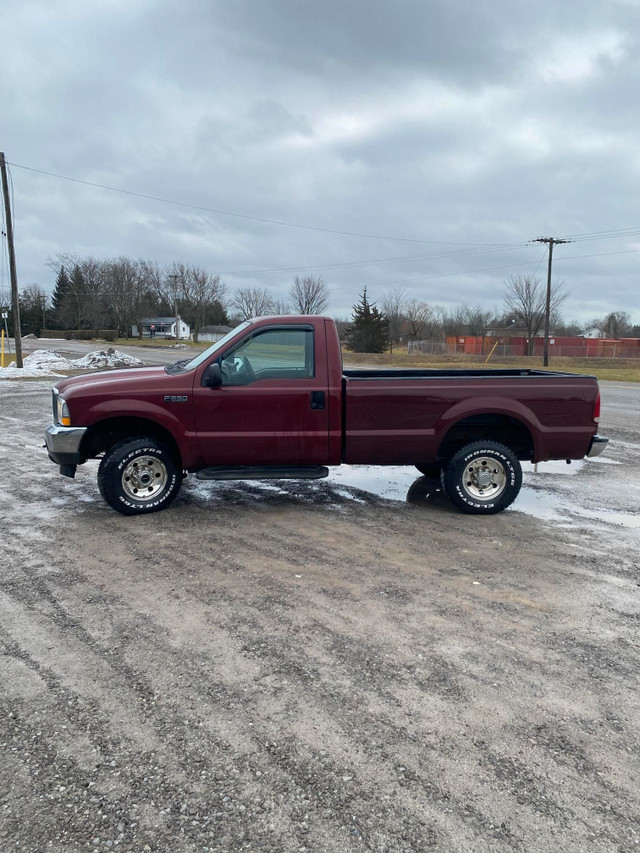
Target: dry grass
{"points": [[156, 343], [625, 370]]}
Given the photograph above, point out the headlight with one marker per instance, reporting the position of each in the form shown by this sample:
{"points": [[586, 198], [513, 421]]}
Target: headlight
{"points": [[62, 414]]}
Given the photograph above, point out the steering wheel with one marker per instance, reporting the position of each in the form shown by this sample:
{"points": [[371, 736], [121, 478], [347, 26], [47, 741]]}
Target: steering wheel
{"points": [[238, 370]]}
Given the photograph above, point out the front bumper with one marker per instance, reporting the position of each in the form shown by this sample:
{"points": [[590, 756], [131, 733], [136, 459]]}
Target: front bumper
{"points": [[63, 443], [597, 446]]}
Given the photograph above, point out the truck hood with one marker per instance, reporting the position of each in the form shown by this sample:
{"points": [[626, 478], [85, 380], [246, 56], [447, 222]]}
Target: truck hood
{"points": [[121, 381]]}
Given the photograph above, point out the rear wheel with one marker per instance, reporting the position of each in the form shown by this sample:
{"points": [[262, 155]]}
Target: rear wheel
{"points": [[484, 477], [138, 476]]}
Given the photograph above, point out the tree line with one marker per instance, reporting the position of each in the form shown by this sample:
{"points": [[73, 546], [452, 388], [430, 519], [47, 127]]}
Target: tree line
{"points": [[117, 293]]}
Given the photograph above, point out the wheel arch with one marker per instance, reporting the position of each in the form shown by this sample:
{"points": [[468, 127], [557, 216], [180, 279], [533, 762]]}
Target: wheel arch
{"points": [[500, 427], [104, 434]]}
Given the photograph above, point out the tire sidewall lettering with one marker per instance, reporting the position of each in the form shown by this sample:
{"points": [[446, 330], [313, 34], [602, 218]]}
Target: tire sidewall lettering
{"points": [[111, 483], [453, 477]]}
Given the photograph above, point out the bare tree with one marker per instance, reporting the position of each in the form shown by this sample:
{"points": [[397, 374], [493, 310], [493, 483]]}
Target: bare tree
{"points": [[478, 319], [525, 298], [421, 319], [5, 298], [343, 325], [34, 302], [85, 304], [309, 295], [393, 305], [617, 324], [124, 287], [281, 306], [454, 321], [250, 302], [200, 291]]}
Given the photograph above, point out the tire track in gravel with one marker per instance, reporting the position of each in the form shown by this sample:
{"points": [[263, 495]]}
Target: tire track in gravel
{"points": [[427, 682]]}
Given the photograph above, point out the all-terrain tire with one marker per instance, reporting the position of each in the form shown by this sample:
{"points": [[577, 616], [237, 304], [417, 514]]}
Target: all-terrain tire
{"points": [[483, 478], [138, 476]]}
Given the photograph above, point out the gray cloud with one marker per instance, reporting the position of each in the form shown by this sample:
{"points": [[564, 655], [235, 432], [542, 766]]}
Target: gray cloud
{"points": [[439, 121]]}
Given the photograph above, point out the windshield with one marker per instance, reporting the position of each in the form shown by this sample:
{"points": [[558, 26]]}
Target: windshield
{"points": [[197, 361]]}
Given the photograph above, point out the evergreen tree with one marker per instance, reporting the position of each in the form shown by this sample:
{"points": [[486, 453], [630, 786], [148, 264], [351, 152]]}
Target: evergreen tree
{"points": [[78, 294], [369, 329], [60, 298], [33, 309]]}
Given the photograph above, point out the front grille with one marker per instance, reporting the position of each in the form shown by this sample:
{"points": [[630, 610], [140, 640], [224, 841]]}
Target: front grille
{"points": [[54, 403]]}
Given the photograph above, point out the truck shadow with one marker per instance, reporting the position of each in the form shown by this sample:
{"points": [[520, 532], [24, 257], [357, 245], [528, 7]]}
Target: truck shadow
{"points": [[422, 492], [426, 491]]}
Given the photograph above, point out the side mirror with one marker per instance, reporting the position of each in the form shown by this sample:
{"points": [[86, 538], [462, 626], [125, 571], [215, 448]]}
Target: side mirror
{"points": [[212, 377]]}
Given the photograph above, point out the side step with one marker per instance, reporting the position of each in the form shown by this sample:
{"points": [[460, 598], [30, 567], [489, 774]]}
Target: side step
{"points": [[259, 472]]}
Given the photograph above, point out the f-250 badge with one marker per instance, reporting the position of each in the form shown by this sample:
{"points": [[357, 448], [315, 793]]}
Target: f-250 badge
{"points": [[174, 398]]}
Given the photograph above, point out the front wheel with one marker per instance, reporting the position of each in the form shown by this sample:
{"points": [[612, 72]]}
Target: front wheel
{"points": [[138, 476], [484, 477]]}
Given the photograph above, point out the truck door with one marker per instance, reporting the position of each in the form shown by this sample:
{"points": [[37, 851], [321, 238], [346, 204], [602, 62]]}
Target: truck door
{"points": [[271, 408]]}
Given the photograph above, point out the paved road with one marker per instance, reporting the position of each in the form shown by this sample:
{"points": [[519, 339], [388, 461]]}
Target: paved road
{"points": [[76, 349], [620, 399]]}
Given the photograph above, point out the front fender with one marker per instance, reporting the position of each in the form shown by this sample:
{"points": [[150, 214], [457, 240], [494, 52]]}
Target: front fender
{"points": [[178, 423]]}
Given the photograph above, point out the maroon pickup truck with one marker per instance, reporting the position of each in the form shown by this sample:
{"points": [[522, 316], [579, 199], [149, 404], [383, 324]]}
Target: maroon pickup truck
{"points": [[272, 401]]}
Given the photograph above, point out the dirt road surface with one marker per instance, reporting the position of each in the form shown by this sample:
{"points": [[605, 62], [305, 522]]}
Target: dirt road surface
{"points": [[314, 666]]}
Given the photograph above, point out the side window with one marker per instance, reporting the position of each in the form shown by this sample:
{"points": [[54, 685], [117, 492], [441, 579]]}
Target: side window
{"points": [[272, 354]]}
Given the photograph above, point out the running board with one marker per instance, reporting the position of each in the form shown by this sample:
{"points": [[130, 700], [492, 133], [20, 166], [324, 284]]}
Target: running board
{"points": [[258, 472]]}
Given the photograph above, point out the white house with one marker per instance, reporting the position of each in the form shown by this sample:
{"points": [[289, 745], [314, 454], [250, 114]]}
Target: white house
{"points": [[162, 327], [213, 333]]}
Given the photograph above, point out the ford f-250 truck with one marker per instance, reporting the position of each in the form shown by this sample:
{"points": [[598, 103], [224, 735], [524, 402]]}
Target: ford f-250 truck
{"points": [[271, 400]]}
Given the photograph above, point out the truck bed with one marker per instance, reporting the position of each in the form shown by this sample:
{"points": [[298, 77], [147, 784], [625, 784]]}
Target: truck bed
{"points": [[407, 416], [450, 373]]}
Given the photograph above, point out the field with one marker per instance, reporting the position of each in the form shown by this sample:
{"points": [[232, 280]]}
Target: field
{"points": [[622, 369]]}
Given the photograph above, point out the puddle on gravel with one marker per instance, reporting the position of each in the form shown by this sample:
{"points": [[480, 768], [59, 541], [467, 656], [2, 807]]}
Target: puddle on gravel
{"points": [[399, 483]]}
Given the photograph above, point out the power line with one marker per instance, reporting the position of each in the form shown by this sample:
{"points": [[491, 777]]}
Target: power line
{"points": [[506, 266], [535, 272], [370, 261], [252, 218], [601, 235]]}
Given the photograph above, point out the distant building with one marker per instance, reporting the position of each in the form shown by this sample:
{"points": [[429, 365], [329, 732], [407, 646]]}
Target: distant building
{"points": [[162, 327], [213, 333], [576, 346]]}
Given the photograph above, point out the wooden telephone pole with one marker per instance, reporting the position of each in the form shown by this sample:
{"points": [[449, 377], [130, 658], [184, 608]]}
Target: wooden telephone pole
{"points": [[551, 242], [15, 305]]}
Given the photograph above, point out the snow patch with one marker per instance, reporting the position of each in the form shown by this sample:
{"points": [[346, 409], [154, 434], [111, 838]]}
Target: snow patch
{"points": [[100, 359], [46, 362]]}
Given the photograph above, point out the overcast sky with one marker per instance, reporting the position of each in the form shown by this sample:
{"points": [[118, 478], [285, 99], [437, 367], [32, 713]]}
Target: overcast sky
{"points": [[462, 130]]}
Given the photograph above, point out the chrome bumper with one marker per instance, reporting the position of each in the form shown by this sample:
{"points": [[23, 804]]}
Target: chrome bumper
{"points": [[598, 444], [63, 443]]}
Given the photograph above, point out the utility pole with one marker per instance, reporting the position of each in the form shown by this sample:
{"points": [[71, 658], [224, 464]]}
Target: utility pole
{"points": [[15, 305], [551, 242], [174, 279]]}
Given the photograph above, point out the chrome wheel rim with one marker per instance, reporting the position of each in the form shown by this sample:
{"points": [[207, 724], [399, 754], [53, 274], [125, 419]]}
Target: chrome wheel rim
{"points": [[484, 479], [144, 478]]}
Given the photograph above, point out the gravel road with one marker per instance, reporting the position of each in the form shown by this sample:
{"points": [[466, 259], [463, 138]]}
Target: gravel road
{"points": [[311, 666]]}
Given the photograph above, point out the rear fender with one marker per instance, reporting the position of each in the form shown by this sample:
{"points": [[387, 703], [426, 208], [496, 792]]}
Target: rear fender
{"points": [[490, 406]]}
